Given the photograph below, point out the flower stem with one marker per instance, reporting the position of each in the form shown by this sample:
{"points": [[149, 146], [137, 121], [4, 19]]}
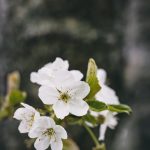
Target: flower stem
{"points": [[95, 140]]}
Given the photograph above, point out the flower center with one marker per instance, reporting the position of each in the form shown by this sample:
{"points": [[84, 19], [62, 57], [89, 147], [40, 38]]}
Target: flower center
{"points": [[64, 96], [49, 132], [30, 119]]}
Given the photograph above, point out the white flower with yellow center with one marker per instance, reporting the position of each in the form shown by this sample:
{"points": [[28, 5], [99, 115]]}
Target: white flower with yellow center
{"points": [[27, 115], [46, 73], [47, 134], [65, 94]]}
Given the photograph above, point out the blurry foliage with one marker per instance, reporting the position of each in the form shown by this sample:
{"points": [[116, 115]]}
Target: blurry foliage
{"points": [[13, 96]]}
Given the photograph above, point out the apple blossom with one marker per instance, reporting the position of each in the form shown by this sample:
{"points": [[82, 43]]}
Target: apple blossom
{"points": [[108, 96], [66, 94], [46, 73], [27, 115], [47, 134]]}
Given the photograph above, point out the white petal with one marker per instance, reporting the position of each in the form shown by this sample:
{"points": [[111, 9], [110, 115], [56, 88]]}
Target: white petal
{"points": [[42, 143], [60, 64], [111, 120], [57, 145], [48, 65], [42, 77], [80, 89], [48, 95], [28, 111], [19, 113], [35, 132], [34, 77], [95, 114], [44, 122], [45, 74], [77, 75], [107, 95], [24, 127], [102, 131], [104, 113], [63, 78], [101, 75], [61, 132], [36, 115], [78, 107], [51, 122], [61, 109], [28, 107]]}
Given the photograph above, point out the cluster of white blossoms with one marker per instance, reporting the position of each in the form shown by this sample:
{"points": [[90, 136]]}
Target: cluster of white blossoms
{"points": [[64, 91], [41, 127], [64, 94], [108, 96]]}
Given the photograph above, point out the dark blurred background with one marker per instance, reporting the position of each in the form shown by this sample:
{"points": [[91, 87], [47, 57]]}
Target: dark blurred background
{"points": [[116, 33]]}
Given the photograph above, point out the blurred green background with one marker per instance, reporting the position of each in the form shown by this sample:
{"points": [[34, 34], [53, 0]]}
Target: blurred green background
{"points": [[116, 33]]}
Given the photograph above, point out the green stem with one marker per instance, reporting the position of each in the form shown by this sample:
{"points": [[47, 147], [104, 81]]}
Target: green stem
{"points": [[95, 140]]}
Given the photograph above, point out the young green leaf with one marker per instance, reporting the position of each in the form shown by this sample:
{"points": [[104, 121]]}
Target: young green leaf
{"points": [[120, 108], [72, 120], [97, 106], [16, 97], [91, 79]]}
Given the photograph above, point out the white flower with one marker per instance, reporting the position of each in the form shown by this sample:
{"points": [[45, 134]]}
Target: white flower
{"points": [[27, 115], [45, 74], [65, 94], [47, 134], [108, 96], [110, 120]]}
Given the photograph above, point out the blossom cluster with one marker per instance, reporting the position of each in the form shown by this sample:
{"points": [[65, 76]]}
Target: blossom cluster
{"points": [[65, 92]]}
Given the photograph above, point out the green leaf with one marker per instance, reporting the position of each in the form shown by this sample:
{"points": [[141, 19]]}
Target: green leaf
{"points": [[72, 120], [120, 108], [16, 97], [91, 79], [97, 106], [91, 119]]}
